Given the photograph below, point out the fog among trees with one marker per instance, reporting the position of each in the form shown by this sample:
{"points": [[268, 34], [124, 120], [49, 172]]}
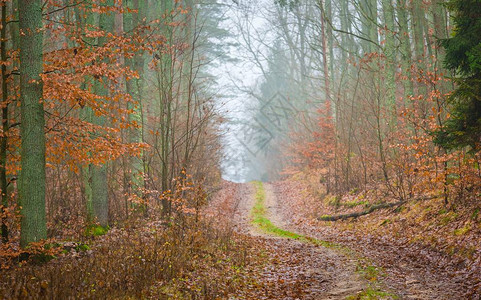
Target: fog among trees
{"points": [[221, 149]]}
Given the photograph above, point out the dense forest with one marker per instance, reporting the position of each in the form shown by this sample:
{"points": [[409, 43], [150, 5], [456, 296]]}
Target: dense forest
{"points": [[240, 149]]}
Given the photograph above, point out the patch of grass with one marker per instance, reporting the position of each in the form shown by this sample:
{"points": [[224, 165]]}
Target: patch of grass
{"points": [[82, 247], [333, 200], [448, 218], [259, 216], [96, 230], [354, 191], [387, 221], [442, 211], [475, 214], [351, 204], [369, 272], [372, 274], [372, 293], [463, 230]]}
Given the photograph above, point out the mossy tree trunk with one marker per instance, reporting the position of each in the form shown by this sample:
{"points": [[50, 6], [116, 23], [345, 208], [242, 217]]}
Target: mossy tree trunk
{"points": [[99, 183], [4, 136], [32, 181], [134, 88], [86, 113]]}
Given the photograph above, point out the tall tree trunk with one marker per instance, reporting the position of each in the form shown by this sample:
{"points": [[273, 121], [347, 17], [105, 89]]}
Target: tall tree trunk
{"points": [[4, 137], [420, 34], [134, 86], [439, 19], [368, 10], [346, 43], [440, 26], [330, 38], [191, 24], [86, 114], [325, 63], [405, 43], [417, 15], [373, 28], [100, 199], [440, 32], [390, 63], [166, 98], [32, 184]]}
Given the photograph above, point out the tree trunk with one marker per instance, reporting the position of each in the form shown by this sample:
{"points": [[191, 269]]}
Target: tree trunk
{"points": [[4, 137], [330, 38], [100, 199], [368, 10], [86, 114], [134, 89], [32, 184], [405, 43], [325, 62], [417, 15], [439, 19], [165, 84], [390, 63]]}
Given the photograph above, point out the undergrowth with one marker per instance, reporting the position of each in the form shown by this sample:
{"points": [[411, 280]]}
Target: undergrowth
{"points": [[185, 254], [184, 258]]}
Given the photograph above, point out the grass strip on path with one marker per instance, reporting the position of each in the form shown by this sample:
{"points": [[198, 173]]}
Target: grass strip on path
{"points": [[259, 219]]}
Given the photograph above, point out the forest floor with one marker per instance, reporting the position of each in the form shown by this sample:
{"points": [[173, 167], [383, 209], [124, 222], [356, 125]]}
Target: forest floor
{"points": [[264, 241], [308, 259]]}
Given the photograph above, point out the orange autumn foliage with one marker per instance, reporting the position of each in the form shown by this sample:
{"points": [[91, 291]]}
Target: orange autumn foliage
{"points": [[361, 149]]}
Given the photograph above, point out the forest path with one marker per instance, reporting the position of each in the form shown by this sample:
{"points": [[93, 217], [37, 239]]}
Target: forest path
{"points": [[408, 271], [300, 264], [301, 267], [304, 266]]}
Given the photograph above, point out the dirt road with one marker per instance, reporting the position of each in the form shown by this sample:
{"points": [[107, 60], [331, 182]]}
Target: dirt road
{"points": [[295, 269], [301, 266]]}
